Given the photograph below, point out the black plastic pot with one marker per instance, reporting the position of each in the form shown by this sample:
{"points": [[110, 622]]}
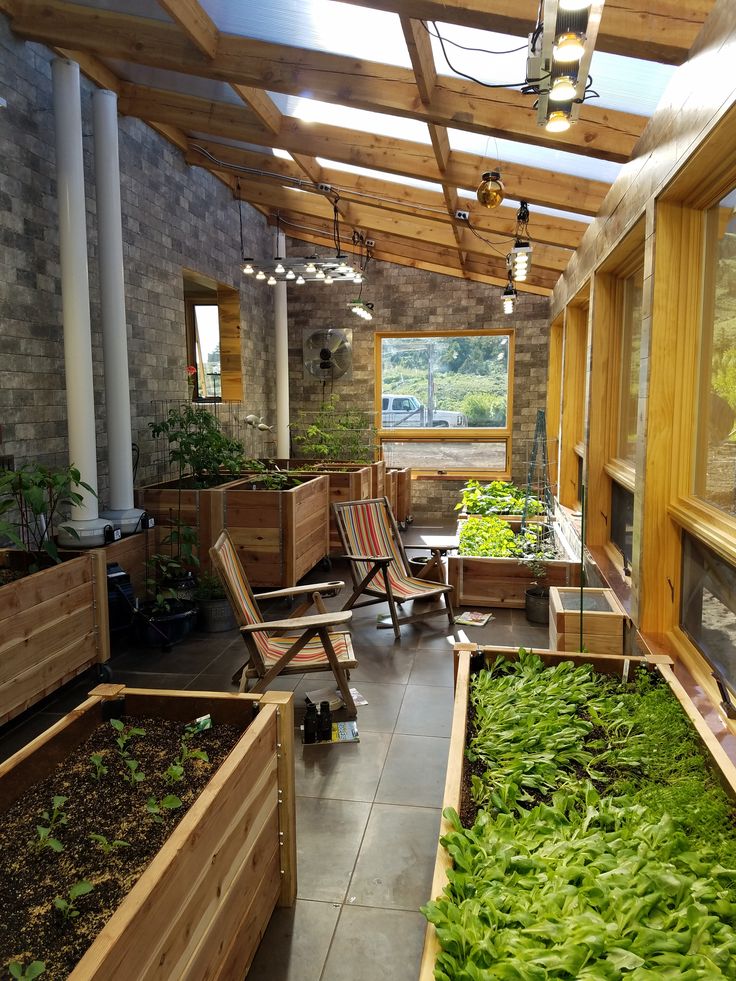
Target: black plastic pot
{"points": [[163, 630], [215, 615], [537, 604]]}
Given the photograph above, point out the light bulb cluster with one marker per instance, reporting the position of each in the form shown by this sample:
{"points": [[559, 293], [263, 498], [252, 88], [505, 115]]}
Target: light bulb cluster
{"points": [[361, 309], [518, 260], [299, 270]]}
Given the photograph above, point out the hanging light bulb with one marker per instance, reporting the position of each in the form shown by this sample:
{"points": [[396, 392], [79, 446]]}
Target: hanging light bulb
{"points": [[557, 122], [279, 270], [311, 269], [291, 274], [272, 281], [563, 89], [300, 280], [328, 280], [247, 268], [573, 6], [568, 47], [509, 297], [343, 267], [320, 274], [490, 190], [518, 260], [358, 278], [260, 274]]}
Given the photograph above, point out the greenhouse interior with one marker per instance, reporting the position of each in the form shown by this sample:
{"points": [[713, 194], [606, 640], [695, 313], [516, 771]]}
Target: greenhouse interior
{"points": [[367, 557]]}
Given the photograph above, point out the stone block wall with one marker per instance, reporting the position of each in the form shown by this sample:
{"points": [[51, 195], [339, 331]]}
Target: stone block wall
{"points": [[175, 218], [412, 299]]}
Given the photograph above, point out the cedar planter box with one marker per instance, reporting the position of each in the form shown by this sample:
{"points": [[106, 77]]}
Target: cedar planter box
{"points": [[377, 468], [503, 582], [130, 554], [350, 485], [391, 489], [402, 512], [604, 620], [279, 534], [200, 508], [53, 626], [605, 664], [201, 907]]}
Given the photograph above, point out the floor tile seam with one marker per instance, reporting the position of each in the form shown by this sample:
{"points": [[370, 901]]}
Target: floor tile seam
{"points": [[387, 909]]}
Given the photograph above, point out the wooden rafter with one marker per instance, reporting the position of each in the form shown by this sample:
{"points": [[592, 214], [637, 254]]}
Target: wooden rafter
{"points": [[333, 78], [660, 30], [196, 23]]}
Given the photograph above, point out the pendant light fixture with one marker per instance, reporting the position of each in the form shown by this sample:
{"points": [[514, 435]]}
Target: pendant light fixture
{"points": [[490, 190], [509, 297]]}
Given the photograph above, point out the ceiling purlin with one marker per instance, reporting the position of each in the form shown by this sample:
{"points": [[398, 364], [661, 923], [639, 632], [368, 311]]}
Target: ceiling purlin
{"points": [[602, 133], [660, 30]]}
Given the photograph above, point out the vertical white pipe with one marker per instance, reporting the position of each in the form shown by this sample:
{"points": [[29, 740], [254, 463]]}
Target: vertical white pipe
{"points": [[112, 297], [74, 282], [282, 359]]}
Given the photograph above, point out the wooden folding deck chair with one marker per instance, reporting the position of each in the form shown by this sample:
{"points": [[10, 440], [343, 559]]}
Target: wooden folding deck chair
{"points": [[292, 646], [378, 563]]}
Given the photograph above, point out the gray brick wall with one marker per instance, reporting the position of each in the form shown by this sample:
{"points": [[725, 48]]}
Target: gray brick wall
{"points": [[175, 218], [412, 299]]}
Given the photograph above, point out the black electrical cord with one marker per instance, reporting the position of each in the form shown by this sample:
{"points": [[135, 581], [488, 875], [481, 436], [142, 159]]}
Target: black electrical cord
{"points": [[472, 78], [487, 241], [464, 47]]}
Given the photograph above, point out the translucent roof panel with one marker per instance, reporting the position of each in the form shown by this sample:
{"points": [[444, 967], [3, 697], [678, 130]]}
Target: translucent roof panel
{"points": [[626, 84], [162, 78], [314, 111], [533, 208], [380, 175], [494, 150], [319, 25]]}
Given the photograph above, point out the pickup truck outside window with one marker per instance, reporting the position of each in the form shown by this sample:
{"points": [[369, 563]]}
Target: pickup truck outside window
{"points": [[457, 383]]}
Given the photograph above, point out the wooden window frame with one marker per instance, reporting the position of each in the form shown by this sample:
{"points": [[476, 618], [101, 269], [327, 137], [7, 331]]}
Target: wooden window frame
{"points": [[201, 291], [474, 434]]}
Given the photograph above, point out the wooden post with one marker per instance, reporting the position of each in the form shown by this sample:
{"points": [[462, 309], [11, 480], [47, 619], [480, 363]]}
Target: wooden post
{"points": [[287, 792]]}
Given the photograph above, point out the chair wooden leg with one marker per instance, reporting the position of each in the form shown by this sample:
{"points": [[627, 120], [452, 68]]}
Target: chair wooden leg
{"points": [[450, 610], [392, 607], [338, 672]]}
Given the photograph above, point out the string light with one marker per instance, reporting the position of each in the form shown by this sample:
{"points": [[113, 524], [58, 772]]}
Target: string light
{"points": [[300, 280], [260, 274], [272, 280], [279, 270], [247, 268]]}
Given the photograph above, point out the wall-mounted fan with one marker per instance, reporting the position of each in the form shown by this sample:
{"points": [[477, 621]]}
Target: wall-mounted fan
{"points": [[328, 353]]}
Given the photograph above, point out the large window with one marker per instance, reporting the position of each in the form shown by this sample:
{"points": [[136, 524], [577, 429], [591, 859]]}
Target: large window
{"points": [[631, 290], [454, 383], [708, 605], [205, 320], [715, 470], [213, 339]]}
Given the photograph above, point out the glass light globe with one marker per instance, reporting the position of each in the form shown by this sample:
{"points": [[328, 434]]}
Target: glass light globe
{"points": [[490, 190]]}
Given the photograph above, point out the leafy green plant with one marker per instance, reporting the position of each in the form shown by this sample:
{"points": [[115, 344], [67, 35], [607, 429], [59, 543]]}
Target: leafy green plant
{"points": [[99, 770], [68, 906], [55, 818], [174, 774], [157, 808], [196, 441], [163, 571], [338, 433], [125, 734], [33, 496], [135, 775], [26, 973], [484, 409], [209, 587], [106, 846], [186, 753], [492, 537], [496, 497], [274, 480]]}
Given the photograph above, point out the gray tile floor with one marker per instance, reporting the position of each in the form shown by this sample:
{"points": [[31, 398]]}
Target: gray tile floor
{"points": [[367, 813]]}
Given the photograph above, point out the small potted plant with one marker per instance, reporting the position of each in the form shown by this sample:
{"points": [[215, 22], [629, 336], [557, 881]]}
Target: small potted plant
{"points": [[215, 612], [165, 619]]}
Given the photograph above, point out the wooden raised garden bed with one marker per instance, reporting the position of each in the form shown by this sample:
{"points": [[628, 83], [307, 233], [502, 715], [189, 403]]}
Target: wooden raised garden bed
{"points": [[503, 582], [453, 796], [200, 908], [279, 534], [345, 485], [53, 626], [604, 620]]}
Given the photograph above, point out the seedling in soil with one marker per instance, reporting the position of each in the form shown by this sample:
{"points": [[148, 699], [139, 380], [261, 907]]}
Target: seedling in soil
{"points": [[34, 970], [174, 774], [124, 735], [108, 846], [190, 754], [156, 808], [54, 818], [134, 775], [67, 907], [99, 770]]}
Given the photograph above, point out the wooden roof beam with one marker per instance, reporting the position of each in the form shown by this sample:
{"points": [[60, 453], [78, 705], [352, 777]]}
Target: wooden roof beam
{"points": [[660, 30], [604, 133], [196, 23]]}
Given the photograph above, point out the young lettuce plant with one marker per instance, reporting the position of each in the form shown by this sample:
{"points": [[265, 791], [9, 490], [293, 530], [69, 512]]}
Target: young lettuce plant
{"points": [[99, 770], [155, 808], [106, 846], [174, 774], [45, 832], [21, 973], [134, 776], [124, 735], [68, 907]]}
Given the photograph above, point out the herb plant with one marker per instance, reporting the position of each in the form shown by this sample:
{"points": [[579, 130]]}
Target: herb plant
{"points": [[174, 774], [186, 753], [134, 776], [68, 907], [496, 497], [99, 770], [21, 973], [156, 808], [107, 846], [55, 818], [124, 735]]}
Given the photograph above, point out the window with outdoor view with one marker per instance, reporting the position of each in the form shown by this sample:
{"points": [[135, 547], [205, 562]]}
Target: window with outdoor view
{"points": [[715, 470], [632, 291], [213, 340], [455, 383]]}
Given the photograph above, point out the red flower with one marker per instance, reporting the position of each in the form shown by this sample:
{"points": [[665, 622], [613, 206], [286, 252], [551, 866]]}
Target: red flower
{"points": [[191, 370]]}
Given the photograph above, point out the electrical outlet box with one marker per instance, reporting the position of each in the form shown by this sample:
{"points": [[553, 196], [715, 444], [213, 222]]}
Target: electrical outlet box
{"points": [[147, 521], [325, 188], [462, 215], [370, 243]]}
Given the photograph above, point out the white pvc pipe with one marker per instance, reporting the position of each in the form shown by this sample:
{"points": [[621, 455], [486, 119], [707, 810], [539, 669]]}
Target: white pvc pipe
{"points": [[282, 359], [112, 297], [74, 282]]}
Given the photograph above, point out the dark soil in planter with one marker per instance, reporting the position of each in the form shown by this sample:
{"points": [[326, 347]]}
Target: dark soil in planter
{"points": [[30, 927]]}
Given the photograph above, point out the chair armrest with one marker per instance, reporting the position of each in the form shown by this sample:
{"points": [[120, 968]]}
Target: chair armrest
{"points": [[301, 623], [385, 559], [315, 587]]}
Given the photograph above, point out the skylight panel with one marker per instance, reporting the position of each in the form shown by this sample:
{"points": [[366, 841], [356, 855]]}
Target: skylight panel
{"points": [[496, 151], [628, 84], [162, 78], [382, 124], [380, 175], [500, 59], [318, 25]]}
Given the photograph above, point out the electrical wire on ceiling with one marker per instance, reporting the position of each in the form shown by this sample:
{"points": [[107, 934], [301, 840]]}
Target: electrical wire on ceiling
{"points": [[478, 81], [465, 47]]}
